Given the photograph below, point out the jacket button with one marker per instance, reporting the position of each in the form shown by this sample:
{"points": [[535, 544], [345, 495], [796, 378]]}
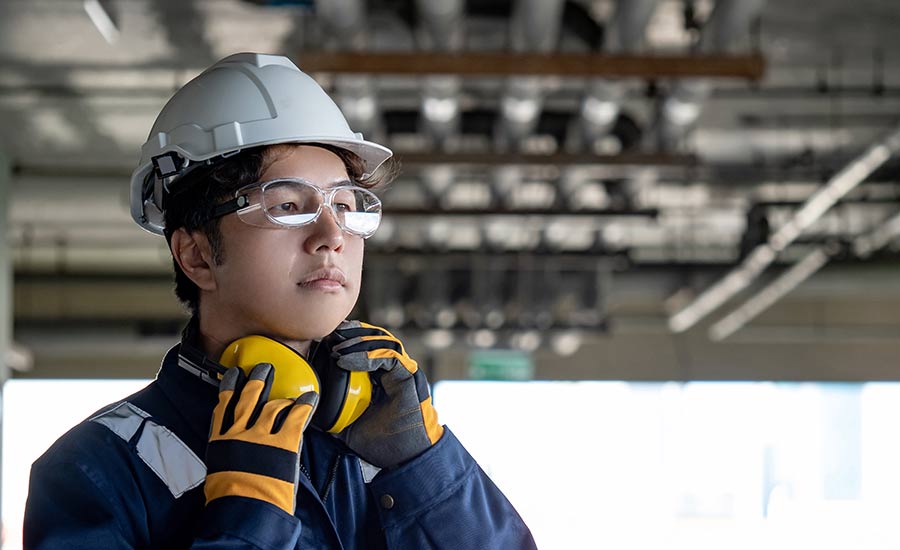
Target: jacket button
{"points": [[387, 501]]}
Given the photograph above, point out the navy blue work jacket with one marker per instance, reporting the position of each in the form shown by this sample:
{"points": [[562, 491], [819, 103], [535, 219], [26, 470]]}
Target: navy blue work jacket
{"points": [[131, 476]]}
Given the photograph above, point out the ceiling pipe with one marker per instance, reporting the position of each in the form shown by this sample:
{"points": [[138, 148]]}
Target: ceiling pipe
{"points": [[768, 295], [103, 18], [763, 255], [602, 103], [355, 94], [727, 30], [863, 246], [534, 27], [443, 30]]}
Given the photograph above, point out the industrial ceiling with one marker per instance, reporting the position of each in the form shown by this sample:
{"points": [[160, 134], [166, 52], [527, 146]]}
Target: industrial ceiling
{"points": [[641, 189]]}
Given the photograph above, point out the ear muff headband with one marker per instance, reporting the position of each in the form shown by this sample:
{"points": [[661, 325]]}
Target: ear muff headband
{"points": [[343, 396]]}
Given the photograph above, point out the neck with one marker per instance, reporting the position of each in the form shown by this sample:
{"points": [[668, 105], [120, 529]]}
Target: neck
{"points": [[215, 336]]}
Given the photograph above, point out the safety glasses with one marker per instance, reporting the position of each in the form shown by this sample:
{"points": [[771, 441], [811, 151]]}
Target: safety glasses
{"points": [[292, 202]]}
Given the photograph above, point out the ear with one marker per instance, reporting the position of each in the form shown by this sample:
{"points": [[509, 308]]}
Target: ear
{"points": [[194, 255]]}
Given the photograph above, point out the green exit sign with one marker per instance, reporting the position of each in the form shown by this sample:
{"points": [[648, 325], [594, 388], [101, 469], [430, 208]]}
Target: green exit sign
{"points": [[507, 365]]}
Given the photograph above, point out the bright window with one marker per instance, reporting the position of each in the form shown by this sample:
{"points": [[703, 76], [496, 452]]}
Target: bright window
{"points": [[688, 466], [35, 414], [619, 465]]}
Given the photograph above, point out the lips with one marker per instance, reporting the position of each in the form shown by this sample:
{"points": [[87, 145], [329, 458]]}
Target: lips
{"points": [[324, 278]]}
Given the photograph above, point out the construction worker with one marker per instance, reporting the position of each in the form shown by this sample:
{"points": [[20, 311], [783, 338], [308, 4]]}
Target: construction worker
{"points": [[275, 423]]}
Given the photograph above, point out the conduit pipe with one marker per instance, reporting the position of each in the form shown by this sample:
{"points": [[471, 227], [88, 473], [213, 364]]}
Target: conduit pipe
{"points": [[602, 103], [345, 20], [534, 27], [443, 30], [863, 246], [727, 30], [763, 255]]}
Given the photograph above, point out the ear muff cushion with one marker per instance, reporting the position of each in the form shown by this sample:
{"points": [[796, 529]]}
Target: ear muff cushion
{"points": [[331, 403]]}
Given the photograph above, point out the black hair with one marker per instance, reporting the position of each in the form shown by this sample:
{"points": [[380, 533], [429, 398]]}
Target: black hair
{"points": [[194, 195]]}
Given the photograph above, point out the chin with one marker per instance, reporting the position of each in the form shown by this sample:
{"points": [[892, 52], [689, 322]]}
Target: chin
{"points": [[316, 323]]}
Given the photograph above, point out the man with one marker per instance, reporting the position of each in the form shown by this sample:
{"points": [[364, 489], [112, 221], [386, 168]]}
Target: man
{"points": [[260, 188]]}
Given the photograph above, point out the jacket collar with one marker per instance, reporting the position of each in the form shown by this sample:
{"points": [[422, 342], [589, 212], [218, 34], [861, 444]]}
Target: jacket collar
{"points": [[189, 381]]}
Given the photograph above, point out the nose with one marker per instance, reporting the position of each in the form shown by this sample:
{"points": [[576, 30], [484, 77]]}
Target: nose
{"points": [[325, 234]]}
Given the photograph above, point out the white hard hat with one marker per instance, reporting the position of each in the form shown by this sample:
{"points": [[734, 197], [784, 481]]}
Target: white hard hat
{"points": [[244, 100]]}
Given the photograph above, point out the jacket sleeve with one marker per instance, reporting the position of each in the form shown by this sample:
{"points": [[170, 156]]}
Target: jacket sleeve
{"points": [[443, 499], [73, 507]]}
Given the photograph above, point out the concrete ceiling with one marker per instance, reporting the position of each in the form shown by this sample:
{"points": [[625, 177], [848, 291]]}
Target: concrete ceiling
{"points": [[635, 218]]}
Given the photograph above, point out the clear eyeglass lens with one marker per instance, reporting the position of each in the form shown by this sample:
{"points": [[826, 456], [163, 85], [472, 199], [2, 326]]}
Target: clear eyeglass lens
{"points": [[291, 203], [294, 203]]}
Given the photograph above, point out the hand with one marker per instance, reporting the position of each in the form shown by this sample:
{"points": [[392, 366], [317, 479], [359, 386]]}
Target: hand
{"points": [[400, 422], [254, 445]]}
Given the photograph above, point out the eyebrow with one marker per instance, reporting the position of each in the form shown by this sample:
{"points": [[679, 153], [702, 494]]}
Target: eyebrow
{"points": [[341, 181]]}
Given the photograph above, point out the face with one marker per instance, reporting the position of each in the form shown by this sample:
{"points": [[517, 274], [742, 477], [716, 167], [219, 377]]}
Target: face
{"points": [[292, 284]]}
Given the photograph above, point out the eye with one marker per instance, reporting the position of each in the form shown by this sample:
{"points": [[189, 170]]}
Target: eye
{"points": [[344, 206], [286, 207], [344, 201]]}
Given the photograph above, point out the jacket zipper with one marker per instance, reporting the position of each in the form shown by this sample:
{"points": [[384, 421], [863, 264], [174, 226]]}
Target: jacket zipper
{"points": [[332, 477]]}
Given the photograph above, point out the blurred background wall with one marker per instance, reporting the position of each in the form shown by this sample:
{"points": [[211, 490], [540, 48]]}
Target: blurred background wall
{"points": [[645, 191]]}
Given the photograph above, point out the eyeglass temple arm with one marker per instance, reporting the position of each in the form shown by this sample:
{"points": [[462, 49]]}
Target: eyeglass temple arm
{"points": [[233, 205]]}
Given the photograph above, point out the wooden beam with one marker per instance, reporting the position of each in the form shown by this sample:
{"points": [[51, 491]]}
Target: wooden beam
{"points": [[644, 160], [556, 159], [750, 67]]}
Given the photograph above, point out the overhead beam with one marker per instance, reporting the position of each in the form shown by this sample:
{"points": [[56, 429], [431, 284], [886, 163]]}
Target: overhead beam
{"points": [[392, 212], [749, 67], [642, 160]]}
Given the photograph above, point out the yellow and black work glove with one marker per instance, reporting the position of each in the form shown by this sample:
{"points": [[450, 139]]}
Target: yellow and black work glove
{"points": [[400, 422], [254, 445]]}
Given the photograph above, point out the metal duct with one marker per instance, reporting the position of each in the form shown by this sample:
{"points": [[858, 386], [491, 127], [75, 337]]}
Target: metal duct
{"points": [[601, 104], [345, 22], [443, 31], [727, 30], [534, 27]]}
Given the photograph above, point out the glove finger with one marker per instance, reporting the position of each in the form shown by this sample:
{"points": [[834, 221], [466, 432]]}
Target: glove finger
{"points": [[292, 419], [268, 380], [365, 343], [348, 324], [373, 356], [254, 394], [422, 388], [286, 421], [354, 329], [229, 392], [382, 329], [272, 416], [310, 401]]}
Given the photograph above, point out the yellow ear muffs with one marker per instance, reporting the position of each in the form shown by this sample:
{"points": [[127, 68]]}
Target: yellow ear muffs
{"points": [[343, 396], [293, 375], [349, 395]]}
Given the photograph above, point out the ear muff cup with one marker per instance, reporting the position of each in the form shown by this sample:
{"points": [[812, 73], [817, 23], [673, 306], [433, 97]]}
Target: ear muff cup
{"points": [[352, 395], [343, 396]]}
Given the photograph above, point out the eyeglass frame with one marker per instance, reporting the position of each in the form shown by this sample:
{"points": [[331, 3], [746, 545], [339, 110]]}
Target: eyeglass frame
{"points": [[241, 201]]}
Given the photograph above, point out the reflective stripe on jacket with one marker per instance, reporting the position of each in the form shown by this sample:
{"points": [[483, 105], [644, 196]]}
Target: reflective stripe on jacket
{"points": [[131, 476]]}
